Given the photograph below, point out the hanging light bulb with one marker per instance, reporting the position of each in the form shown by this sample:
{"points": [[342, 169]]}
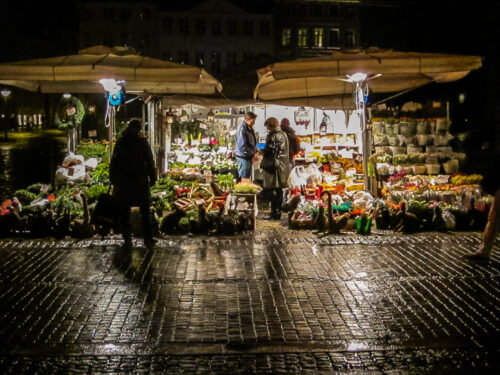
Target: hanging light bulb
{"points": [[169, 116], [210, 116]]}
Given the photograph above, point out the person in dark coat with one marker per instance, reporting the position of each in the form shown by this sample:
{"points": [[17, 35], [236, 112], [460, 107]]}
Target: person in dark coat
{"points": [[90, 124], [275, 166], [293, 139], [132, 172]]}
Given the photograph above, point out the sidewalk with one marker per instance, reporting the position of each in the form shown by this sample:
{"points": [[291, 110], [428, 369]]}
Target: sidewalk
{"points": [[278, 301]]}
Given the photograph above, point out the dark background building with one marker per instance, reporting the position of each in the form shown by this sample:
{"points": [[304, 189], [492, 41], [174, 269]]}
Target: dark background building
{"points": [[231, 38]]}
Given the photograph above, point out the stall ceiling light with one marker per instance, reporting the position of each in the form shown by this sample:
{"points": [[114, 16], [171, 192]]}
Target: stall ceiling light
{"points": [[358, 77], [5, 92], [111, 85]]}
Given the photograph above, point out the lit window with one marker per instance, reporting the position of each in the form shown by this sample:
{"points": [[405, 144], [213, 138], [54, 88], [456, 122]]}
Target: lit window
{"points": [[20, 120], [302, 37], [286, 35], [318, 37]]}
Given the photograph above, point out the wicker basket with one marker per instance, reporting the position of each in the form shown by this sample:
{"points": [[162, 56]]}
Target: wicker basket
{"points": [[450, 167], [433, 168], [296, 223], [419, 169]]}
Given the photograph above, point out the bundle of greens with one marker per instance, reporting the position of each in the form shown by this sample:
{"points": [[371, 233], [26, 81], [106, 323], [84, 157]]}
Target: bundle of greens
{"points": [[246, 188], [225, 181], [100, 175], [94, 150]]}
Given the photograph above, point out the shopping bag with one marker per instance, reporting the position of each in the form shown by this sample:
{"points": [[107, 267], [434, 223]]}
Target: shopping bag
{"points": [[106, 210], [297, 177], [314, 176]]}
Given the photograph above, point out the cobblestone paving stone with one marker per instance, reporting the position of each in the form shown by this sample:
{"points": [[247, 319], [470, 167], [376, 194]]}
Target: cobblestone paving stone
{"points": [[276, 301]]}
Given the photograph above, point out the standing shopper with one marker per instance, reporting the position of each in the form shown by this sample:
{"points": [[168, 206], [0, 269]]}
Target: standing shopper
{"points": [[132, 172], [275, 166], [293, 139], [246, 146]]}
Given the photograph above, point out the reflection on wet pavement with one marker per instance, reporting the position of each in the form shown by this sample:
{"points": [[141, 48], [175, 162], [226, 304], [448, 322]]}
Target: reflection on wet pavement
{"points": [[276, 301]]}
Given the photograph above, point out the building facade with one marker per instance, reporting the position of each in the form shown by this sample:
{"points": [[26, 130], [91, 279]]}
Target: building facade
{"points": [[305, 28], [215, 34], [118, 24]]}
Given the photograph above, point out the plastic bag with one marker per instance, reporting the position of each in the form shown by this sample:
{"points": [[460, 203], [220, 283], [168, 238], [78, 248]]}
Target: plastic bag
{"points": [[91, 164], [297, 177], [72, 159], [71, 174], [314, 177]]}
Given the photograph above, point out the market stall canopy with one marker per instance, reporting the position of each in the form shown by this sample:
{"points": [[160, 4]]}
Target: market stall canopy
{"points": [[81, 73], [304, 80]]}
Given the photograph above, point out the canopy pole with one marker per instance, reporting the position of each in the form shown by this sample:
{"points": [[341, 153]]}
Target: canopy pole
{"points": [[359, 98], [111, 115]]}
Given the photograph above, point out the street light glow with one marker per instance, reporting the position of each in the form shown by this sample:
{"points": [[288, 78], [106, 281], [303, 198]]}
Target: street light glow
{"points": [[5, 92]]}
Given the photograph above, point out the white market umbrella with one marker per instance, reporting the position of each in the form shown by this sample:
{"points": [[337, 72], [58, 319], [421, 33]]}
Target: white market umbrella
{"points": [[329, 81]]}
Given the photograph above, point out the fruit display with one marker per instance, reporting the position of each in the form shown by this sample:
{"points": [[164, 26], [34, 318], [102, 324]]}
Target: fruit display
{"points": [[472, 179]]}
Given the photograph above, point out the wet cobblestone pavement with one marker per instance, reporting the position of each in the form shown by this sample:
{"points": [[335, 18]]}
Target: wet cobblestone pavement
{"points": [[276, 301]]}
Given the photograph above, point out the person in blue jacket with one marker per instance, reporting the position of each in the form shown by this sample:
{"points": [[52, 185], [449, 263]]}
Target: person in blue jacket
{"points": [[246, 146]]}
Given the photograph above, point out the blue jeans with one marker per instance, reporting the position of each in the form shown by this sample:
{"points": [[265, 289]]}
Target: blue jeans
{"points": [[244, 167]]}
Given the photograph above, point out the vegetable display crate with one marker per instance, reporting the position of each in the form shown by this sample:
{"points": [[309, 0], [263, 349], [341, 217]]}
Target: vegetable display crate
{"points": [[242, 203]]}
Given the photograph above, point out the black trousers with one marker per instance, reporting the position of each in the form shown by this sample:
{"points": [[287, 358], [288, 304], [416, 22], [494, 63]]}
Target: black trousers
{"points": [[275, 196], [124, 222]]}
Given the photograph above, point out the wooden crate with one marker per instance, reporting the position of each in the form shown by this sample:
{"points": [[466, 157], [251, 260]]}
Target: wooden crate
{"points": [[243, 202]]}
